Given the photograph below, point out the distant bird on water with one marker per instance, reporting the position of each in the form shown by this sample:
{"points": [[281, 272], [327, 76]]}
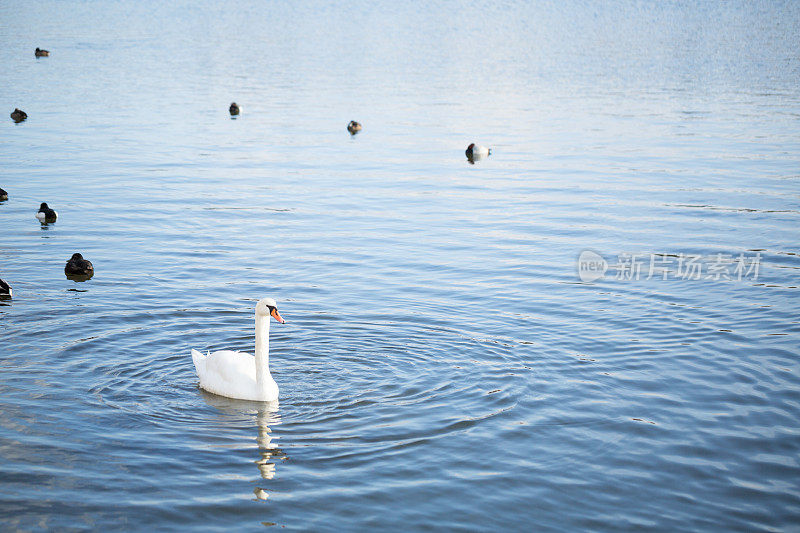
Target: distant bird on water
{"points": [[3, 195], [78, 266], [476, 153], [41, 53], [234, 109], [45, 215], [5, 289], [18, 115], [354, 127]]}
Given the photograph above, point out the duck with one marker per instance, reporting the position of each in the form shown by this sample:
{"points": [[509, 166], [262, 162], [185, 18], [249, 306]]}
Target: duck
{"points": [[476, 153], [354, 127], [78, 266], [18, 115], [41, 53], [234, 108], [240, 375], [45, 215], [5, 289], [3, 195]]}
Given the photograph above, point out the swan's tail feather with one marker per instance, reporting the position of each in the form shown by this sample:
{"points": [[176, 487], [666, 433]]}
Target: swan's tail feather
{"points": [[198, 359]]}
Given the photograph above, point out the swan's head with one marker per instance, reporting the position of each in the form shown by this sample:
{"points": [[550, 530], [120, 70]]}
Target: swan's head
{"points": [[268, 307]]}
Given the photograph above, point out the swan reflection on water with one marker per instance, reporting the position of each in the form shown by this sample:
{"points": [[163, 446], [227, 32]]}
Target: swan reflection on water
{"points": [[266, 415]]}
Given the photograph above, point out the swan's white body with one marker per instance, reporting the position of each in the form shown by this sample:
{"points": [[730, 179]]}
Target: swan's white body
{"points": [[238, 374]]}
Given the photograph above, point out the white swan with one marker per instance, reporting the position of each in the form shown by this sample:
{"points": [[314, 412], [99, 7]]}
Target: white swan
{"points": [[238, 374]]}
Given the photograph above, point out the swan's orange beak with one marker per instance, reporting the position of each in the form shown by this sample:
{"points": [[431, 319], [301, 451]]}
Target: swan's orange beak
{"points": [[277, 316]]}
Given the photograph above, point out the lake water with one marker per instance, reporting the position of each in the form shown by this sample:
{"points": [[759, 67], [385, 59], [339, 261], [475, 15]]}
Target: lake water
{"points": [[443, 365]]}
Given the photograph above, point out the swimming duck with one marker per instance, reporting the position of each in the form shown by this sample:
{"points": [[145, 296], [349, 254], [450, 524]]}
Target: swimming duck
{"points": [[41, 53], [18, 115], [3, 195], [354, 127], [476, 153], [234, 108], [45, 215], [78, 266], [5, 289], [238, 374]]}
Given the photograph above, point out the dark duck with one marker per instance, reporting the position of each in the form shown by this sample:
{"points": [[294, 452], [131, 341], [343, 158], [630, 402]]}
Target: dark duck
{"points": [[45, 215], [18, 115], [78, 266], [354, 127], [5, 290]]}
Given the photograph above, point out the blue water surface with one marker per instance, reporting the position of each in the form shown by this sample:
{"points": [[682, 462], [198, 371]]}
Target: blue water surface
{"points": [[443, 365]]}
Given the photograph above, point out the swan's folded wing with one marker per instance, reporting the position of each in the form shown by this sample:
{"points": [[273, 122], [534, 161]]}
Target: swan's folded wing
{"points": [[232, 367]]}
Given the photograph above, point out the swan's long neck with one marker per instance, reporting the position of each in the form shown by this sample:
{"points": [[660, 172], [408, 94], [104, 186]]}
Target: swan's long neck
{"points": [[262, 351]]}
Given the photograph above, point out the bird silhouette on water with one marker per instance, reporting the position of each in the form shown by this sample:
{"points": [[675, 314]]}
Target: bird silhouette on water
{"points": [[5, 290], [18, 115], [78, 266], [45, 215], [354, 127]]}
